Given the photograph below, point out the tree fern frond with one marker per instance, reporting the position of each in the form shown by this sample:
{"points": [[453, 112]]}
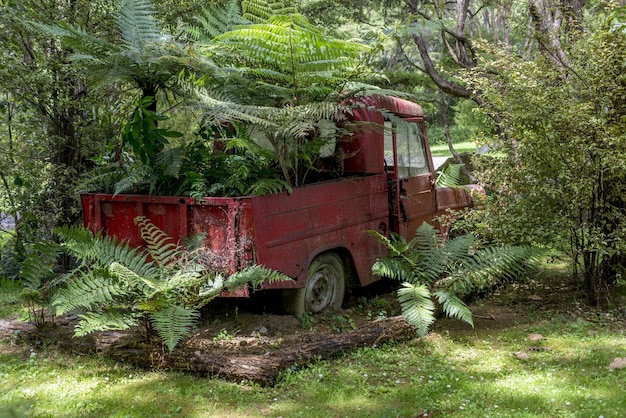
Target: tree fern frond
{"points": [[173, 324], [77, 39], [137, 23], [170, 161], [109, 320], [453, 306], [261, 10], [417, 306], [268, 186], [215, 20]]}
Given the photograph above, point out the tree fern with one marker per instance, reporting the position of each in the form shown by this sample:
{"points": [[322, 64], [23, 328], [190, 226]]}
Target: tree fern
{"points": [[137, 24], [437, 272]]}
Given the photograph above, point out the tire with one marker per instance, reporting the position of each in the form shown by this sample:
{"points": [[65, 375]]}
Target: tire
{"points": [[324, 288]]}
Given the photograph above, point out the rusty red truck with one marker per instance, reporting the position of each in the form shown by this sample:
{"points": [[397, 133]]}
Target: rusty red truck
{"points": [[315, 234]]}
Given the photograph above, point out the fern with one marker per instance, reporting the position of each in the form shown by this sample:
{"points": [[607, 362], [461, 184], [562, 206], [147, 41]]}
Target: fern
{"points": [[108, 320], [10, 289], [215, 20], [441, 272], [115, 285], [39, 264], [453, 306], [174, 323], [261, 10], [136, 21], [450, 177], [417, 306], [254, 275], [159, 244], [88, 290]]}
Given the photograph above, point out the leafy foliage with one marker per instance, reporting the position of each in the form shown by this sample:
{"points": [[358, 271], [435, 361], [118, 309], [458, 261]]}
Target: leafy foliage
{"points": [[559, 177], [117, 286], [437, 272], [35, 281]]}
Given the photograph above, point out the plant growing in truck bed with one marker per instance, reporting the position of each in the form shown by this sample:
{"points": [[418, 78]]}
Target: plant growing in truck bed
{"points": [[437, 273], [161, 288]]}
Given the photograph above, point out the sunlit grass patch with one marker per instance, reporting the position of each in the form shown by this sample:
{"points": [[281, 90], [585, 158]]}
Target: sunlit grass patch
{"points": [[442, 150]]}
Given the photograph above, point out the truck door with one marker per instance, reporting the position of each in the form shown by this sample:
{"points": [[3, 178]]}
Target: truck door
{"points": [[410, 176]]}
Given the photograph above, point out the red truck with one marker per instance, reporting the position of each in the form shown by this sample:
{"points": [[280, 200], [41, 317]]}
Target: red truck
{"points": [[315, 234]]}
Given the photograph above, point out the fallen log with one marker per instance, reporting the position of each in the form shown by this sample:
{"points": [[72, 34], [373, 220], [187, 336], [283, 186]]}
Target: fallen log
{"points": [[126, 346], [265, 368]]}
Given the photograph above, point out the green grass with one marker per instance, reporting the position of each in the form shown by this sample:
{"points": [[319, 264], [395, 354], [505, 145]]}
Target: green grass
{"points": [[454, 371], [441, 150]]}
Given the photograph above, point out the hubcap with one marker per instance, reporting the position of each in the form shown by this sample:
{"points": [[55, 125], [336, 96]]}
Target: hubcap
{"points": [[320, 290]]}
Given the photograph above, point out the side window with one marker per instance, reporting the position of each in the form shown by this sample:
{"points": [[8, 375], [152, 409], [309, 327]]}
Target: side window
{"points": [[411, 148], [389, 144]]}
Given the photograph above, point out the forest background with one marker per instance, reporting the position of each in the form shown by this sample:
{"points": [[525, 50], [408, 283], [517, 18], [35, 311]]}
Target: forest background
{"points": [[540, 84]]}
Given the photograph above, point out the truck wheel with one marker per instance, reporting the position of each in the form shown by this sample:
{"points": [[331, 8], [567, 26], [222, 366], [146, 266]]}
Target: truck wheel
{"points": [[324, 288]]}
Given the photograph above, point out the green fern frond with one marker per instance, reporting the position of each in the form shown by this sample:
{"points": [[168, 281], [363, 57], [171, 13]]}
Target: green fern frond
{"points": [[110, 320], [394, 268], [215, 20], [104, 250], [173, 324], [450, 177], [88, 290], [137, 176], [10, 290], [417, 306], [254, 275], [102, 179], [453, 306], [77, 39], [39, 264], [268, 186], [170, 161], [158, 243], [261, 10], [137, 284], [137, 23]]}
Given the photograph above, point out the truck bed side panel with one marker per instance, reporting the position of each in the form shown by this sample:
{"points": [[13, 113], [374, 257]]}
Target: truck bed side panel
{"points": [[291, 229], [225, 222]]}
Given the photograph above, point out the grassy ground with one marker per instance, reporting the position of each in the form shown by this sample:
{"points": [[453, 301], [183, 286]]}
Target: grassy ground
{"points": [[534, 352], [441, 150]]}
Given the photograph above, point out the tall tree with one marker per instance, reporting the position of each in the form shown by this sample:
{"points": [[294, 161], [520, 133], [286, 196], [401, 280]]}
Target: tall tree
{"points": [[50, 121]]}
